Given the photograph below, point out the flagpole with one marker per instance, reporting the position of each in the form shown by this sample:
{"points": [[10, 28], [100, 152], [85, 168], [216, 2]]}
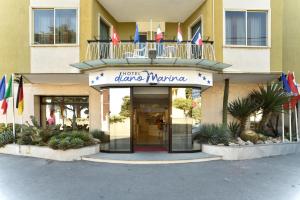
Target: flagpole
{"points": [[296, 119], [282, 124], [290, 120], [151, 29], [13, 104], [6, 110]]}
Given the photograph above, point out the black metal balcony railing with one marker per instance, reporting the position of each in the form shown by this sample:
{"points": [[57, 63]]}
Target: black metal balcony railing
{"points": [[104, 49]]}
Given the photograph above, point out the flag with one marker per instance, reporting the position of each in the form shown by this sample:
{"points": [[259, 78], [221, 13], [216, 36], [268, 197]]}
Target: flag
{"points": [[285, 83], [136, 34], [20, 97], [4, 106], [292, 84], [293, 90], [115, 37], [8, 92], [197, 39], [179, 34], [2, 88], [159, 35]]}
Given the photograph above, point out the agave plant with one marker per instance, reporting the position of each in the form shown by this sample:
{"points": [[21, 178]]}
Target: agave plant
{"points": [[269, 100], [241, 109]]}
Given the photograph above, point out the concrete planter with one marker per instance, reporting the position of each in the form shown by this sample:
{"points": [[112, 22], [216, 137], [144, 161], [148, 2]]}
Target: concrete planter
{"points": [[48, 153], [251, 152]]}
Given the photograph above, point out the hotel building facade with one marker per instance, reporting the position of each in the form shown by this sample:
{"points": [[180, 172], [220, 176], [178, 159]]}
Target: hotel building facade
{"points": [[145, 93]]}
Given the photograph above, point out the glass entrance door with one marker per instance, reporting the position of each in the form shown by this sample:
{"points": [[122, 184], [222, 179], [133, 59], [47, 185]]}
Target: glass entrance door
{"points": [[150, 119]]}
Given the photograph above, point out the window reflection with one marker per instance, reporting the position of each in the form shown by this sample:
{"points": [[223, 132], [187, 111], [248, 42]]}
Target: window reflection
{"points": [[70, 112], [116, 112], [186, 118]]}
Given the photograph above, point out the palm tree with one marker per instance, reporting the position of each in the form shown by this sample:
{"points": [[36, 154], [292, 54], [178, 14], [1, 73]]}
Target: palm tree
{"points": [[269, 100], [241, 109]]}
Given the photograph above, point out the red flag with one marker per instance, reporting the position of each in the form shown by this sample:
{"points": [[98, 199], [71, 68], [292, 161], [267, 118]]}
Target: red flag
{"points": [[4, 106], [291, 81], [159, 35], [115, 37]]}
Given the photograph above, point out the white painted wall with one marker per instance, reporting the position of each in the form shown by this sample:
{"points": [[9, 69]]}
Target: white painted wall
{"points": [[54, 59], [247, 59], [247, 4], [55, 3]]}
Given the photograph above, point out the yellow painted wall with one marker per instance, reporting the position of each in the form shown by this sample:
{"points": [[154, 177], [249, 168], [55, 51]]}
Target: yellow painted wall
{"points": [[126, 30], [89, 22], [171, 31], [14, 36], [205, 11], [277, 35], [291, 37]]}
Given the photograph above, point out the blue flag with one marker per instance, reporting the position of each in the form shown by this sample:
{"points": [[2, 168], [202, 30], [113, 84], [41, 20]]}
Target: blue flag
{"points": [[2, 88], [136, 34], [285, 83]]}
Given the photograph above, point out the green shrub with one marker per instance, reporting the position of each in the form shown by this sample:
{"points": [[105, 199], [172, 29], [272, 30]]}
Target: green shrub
{"points": [[100, 135], [214, 134], [9, 127], [71, 140], [234, 128], [6, 138], [249, 135], [33, 134]]}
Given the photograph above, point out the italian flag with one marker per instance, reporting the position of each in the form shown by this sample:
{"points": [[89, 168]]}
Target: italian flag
{"points": [[20, 97], [8, 94]]}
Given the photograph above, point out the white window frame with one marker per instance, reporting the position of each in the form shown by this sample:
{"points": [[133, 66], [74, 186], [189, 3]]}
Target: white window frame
{"points": [[268, 28], [31, 34]]}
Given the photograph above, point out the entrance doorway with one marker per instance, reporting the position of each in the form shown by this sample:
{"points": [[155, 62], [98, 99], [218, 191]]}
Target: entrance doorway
{"points": [[150, 118]]}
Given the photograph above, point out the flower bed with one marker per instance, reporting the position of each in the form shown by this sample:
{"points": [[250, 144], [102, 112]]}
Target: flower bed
{"points": [[48, 153], [251, 151]]}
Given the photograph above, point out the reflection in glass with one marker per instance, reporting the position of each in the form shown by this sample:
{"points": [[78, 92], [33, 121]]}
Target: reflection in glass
{"points": [[186, 118], [65, 26], [70, 112], [43, 26], [115, 117]]}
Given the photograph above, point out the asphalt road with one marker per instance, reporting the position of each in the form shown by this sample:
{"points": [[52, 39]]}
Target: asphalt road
{"points": [[276, 178]]}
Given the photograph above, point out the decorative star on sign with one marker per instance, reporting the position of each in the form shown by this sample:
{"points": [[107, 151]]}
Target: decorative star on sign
{"points": [[93, 81], [204, 78], [101, 74], [208, 81], [199, 74], [97, 78]]}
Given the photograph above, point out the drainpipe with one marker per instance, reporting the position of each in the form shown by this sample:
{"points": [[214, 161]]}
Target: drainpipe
{"points": [[213, 20], [225, 101]]}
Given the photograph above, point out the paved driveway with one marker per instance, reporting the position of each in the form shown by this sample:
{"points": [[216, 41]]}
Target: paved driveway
{"points": [[276, 178]]}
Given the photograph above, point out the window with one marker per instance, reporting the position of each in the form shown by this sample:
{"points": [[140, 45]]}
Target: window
{"points": [[196, 49], [68, 111], [104, 30], [247, 28], [186, 118], [55, 26], [115, 118]]}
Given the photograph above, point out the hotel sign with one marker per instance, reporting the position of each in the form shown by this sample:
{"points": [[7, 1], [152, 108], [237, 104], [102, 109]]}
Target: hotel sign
{"points": [[150, 77]]}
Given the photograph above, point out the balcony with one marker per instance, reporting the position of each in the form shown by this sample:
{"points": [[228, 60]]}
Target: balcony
{"points": [[168, 49], [169, 53]]}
